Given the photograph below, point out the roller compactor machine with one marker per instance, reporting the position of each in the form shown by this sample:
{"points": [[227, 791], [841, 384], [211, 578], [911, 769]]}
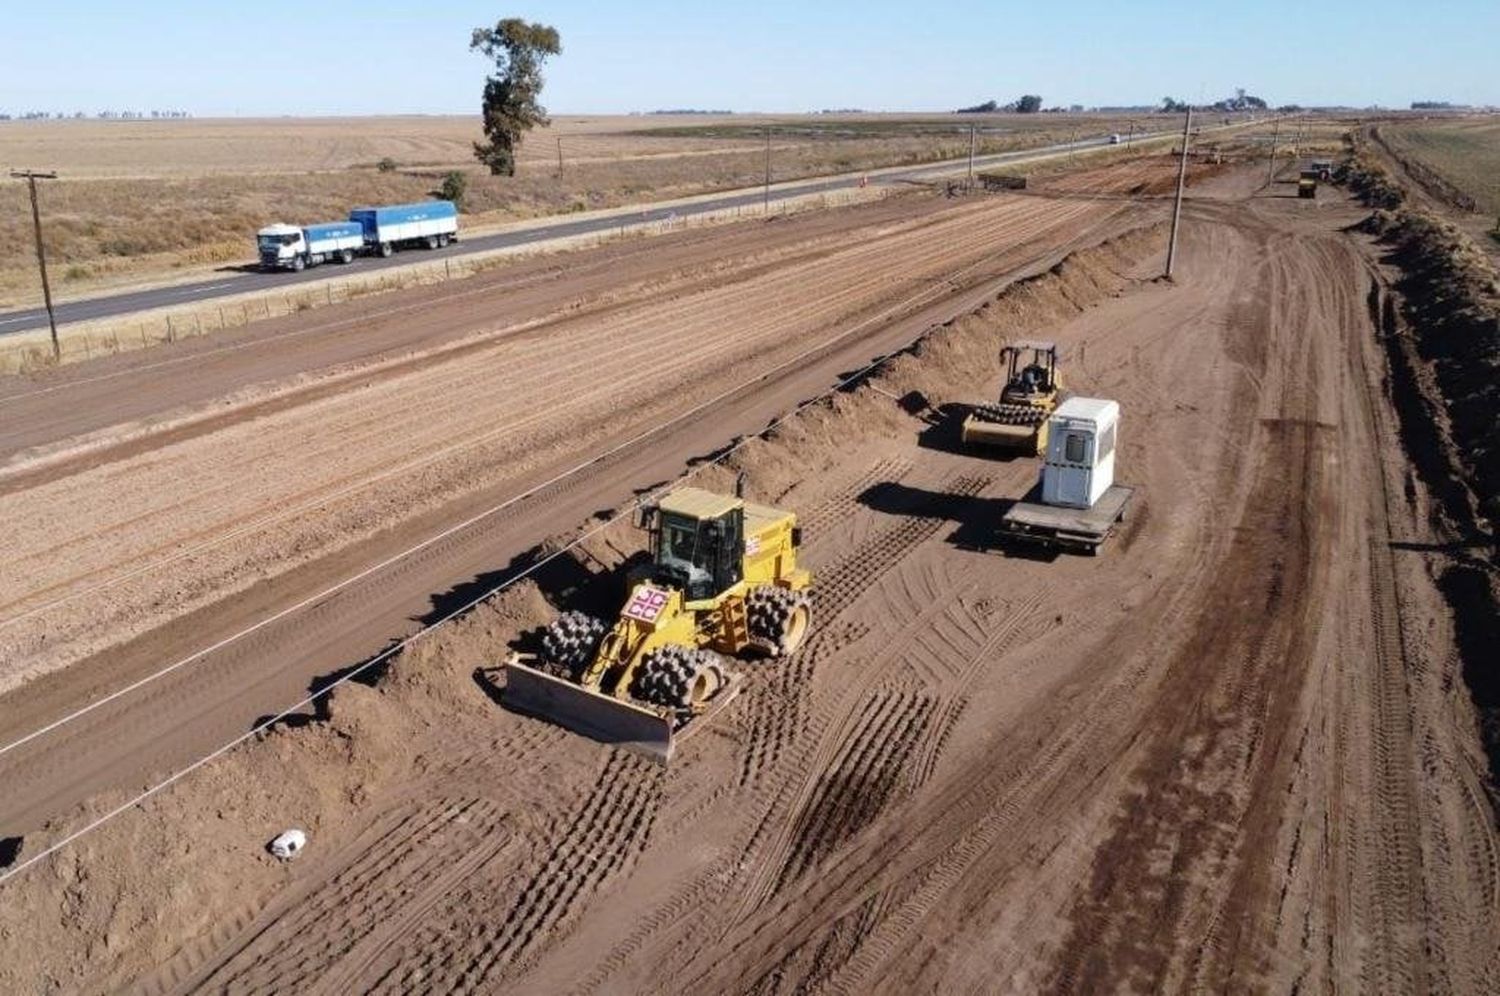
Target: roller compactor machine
{"points": [[723, 580]]}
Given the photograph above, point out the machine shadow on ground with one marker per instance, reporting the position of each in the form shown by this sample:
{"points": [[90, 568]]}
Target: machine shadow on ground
{"points": [[977, 518], [943, 433]]}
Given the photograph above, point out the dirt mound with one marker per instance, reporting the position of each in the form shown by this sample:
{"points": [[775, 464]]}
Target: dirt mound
{"points": [[1365, 175], [1444, 350]]}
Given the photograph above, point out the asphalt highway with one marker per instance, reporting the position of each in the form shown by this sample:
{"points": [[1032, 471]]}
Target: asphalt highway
{"points": [[239, 282]]}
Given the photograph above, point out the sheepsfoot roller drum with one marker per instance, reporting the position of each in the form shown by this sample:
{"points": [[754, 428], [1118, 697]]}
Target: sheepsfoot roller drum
{"points": [[723, 579]]}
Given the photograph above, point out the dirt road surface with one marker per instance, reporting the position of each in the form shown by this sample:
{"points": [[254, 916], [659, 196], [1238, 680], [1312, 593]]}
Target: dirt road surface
{"points": [[1227, 755]]}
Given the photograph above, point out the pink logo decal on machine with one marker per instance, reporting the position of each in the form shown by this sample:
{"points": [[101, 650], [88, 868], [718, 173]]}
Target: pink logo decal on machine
{"points": [[646, 604]]}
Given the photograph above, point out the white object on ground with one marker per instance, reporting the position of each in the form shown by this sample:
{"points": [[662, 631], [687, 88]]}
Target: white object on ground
{"points": [[288, 845]]}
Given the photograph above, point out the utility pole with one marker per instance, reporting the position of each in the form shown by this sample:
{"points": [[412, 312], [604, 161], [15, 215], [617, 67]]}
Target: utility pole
{"points": [[1271, 170], [971, 155], [1187, 124], [768, 170], [31, 177], [559, 157], [1131, 136]]}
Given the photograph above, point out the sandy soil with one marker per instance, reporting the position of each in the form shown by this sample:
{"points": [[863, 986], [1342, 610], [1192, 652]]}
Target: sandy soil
{"points": [[1226, 756]]}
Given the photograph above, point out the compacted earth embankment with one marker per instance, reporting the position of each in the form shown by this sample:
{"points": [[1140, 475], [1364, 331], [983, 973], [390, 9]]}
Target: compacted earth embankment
{"points": [[1441, 328]]}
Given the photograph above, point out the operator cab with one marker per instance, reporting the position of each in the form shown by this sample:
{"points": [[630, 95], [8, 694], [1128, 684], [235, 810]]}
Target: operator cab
{"points": [[1038, 375], [697, 542]]}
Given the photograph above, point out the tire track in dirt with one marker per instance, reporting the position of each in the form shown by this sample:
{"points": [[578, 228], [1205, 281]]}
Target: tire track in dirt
{"points": [[862, 778], [400, 875], [583, 851], [822, 731]]}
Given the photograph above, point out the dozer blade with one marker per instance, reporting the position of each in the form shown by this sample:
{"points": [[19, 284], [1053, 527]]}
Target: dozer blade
{"points": [[1021, 438], [603, 717]]}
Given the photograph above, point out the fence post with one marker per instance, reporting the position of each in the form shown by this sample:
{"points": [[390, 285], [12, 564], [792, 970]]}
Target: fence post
{"points": [[169, 328]]}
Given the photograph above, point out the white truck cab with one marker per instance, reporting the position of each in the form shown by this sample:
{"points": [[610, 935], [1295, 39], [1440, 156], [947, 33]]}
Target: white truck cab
{"points": [[288, 247], [281, 247]]}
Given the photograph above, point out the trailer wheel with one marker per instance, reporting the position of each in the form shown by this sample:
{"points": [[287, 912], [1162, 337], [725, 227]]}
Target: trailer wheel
{"points": [[678, 677], [442, 241], [778, 618], [432, 242], [385, 250], [570, 644]]}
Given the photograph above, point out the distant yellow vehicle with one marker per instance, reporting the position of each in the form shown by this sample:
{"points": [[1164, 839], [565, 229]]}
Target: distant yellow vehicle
{"points": [[1018, 422], [1307, 183], [723, 578]]}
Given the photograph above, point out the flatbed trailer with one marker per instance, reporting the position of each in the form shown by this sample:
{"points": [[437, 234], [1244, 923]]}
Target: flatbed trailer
{"points": [[1081, 529]]}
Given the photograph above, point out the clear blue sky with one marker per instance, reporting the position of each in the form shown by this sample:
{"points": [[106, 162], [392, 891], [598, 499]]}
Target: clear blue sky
{"points": [[375, 56]]}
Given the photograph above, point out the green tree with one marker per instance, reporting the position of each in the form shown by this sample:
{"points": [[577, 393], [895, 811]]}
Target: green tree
{"points": [[511, 109], [1029, 104], [454, 186]]}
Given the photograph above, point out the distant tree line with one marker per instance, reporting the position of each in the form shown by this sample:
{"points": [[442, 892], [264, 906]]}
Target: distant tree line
{"points": [[100, 115], [1432, 105], [1028, 103], [1241, 101]]}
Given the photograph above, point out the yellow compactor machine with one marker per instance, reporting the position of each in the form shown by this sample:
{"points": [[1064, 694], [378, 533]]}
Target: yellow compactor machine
{"points": [[723, 578], [1017, 423]]}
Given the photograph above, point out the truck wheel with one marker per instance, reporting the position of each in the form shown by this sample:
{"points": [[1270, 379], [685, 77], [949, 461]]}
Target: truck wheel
{"points": [[297, 264], [570, 644], [678, 677], [778, 618], [442, 241], [346, 256], [385, 250], [432, 242]]}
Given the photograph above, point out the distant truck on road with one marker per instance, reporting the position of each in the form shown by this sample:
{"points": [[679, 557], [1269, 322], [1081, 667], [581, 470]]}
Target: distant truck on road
{"points": [[378, 231], [431, 223], [287, 247]]}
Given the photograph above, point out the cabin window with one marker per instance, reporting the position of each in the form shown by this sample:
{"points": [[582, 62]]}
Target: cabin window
{"points": [[1074, 448]]}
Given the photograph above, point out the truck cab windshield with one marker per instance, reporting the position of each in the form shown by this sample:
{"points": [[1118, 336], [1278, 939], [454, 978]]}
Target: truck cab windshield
{"points": [[272, 241]]}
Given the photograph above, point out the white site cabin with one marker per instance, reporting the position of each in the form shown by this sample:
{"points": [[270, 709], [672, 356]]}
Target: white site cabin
{"points": [[1077, 503]]}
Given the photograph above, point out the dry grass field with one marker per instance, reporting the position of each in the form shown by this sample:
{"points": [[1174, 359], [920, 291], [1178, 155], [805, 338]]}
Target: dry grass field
{"points": [[1463, 151], [143, 200]]}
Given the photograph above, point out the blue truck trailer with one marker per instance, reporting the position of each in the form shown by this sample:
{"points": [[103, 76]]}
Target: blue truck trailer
{"points": [[289, 247], [431, 223]]}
